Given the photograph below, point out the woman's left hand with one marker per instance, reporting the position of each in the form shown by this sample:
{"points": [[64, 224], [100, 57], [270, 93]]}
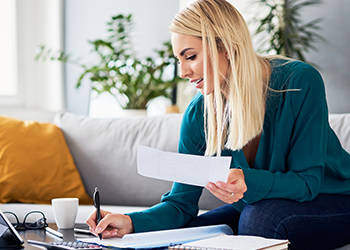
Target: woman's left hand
{"points": [[233, 190]]}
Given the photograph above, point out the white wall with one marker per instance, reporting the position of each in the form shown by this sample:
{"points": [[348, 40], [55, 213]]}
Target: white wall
{"points": [[36, 19], [332, 57], [40, 83], [86, 20]]}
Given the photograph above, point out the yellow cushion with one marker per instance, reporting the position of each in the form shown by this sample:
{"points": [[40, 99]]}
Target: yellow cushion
{"points": [[36, 164]]}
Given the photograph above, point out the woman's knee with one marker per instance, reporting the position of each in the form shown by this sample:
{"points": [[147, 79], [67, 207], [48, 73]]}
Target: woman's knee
{"points": [[226, 214], [264, 218], [316, 224]]}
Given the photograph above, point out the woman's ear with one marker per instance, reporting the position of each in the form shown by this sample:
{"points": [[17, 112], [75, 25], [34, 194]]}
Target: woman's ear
{"points": [[233, 54], [227, 55]]}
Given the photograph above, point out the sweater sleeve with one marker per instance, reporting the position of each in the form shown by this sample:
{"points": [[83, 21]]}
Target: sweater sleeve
{"points": [[180, 205], [303, 115]]}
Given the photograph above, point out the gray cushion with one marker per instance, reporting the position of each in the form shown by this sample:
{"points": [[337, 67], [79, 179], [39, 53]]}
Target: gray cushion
{"points": [[104, 151], [341, 126]]}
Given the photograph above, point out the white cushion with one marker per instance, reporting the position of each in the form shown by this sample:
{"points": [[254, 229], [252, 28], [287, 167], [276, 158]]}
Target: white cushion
{"points": [[104, 151], [341, 126]]}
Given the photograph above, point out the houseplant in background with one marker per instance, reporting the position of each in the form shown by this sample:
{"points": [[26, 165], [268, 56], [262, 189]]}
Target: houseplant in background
{"points": [[133, 82], [280, 29]]}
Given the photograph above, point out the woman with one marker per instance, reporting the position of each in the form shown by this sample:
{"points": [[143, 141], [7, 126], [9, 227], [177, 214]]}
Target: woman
{"points": [[289, 177]]}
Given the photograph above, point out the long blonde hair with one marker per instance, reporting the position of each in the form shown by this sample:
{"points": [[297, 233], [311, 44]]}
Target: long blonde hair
{"points": [[236, 117]]}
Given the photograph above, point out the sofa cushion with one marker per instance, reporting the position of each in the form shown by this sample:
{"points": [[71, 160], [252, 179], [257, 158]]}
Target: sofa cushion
{"points": [[105, 150], [341, 126], [35, 164]]}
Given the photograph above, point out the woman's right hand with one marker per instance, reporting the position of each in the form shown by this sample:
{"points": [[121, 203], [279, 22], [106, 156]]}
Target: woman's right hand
{"points": [[111, 224]]}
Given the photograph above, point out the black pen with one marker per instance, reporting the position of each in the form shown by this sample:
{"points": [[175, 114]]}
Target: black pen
{"points": [[96, 198]]}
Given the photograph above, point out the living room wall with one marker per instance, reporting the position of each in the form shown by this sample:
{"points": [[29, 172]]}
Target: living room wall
{"points": [[86, 20], [331, 57]]}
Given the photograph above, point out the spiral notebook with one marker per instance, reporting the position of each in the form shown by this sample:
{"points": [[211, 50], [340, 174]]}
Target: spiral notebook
{"points": [[234, 242], [163, 238]]}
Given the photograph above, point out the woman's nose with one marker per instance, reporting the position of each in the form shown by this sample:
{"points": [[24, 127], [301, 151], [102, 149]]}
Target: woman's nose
{"points": [[184, 70]]}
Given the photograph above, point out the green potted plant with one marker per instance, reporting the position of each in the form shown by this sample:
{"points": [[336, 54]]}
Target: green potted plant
{"points": [[280, 29], [132, 81]]}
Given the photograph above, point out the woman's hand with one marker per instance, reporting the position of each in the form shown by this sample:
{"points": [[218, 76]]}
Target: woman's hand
{"points": [[233, 190], [111, 224]]}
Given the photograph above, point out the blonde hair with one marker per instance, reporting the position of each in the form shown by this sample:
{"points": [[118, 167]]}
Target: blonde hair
{"points": [[236, 116]]}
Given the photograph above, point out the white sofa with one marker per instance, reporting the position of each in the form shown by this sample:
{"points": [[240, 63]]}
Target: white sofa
{"points": [[104, 151]]}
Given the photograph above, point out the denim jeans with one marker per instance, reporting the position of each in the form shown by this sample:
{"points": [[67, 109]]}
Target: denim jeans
{"points": [[323, 223]]}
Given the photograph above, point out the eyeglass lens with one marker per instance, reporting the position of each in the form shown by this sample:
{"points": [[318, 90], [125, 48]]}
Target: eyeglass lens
{"points": [[32, 220], [12, 218]]}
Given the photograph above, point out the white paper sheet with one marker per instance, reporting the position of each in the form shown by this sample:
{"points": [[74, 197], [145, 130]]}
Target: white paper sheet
{"points": [[183, 168], [237, 242], [161, 238]]}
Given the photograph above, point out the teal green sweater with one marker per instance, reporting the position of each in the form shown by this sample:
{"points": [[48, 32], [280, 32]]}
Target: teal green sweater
{"points": [[299, 155]]}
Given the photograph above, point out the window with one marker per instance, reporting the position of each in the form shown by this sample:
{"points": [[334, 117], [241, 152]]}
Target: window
{"points": [[8, 55], [27, 86]]}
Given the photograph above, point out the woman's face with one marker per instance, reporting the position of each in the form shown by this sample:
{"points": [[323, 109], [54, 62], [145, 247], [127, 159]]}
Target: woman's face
{"points": [[189, 51]]}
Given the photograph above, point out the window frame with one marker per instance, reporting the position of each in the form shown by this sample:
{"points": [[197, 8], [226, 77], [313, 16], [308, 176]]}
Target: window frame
{"points": [[40, 83], [17, 98]]}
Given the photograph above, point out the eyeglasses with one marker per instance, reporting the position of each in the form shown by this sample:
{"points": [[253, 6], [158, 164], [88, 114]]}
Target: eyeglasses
{"points": [[32, 220]]}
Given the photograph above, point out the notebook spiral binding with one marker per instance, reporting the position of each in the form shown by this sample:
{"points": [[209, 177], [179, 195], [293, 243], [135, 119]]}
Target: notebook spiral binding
{"points": [[184, 247]]}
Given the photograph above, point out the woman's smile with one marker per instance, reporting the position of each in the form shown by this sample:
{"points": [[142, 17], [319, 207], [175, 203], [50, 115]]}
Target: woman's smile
{"points": [[198, 83]]}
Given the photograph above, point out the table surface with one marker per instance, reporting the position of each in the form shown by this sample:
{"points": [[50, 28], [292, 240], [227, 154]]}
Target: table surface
{"points": [[42, 235]]}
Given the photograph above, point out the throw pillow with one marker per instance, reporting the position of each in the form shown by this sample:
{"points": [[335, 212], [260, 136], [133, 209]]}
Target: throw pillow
{"points": [[36, 164]]}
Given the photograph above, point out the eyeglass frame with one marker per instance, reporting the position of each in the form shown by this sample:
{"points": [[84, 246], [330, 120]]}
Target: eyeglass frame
{"points": [[24, 226]]}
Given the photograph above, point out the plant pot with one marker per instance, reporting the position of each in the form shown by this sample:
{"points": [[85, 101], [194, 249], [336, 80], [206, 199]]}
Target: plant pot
{"points": [[133, 112], [105, 105]]}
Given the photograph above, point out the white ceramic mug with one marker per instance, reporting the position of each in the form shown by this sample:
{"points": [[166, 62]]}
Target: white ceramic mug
{"points": [[65, 211]]}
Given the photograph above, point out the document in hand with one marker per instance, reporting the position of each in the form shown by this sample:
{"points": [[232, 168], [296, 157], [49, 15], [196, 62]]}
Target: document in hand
{"points": [[189, 169], [161, 238], [234, 242]]}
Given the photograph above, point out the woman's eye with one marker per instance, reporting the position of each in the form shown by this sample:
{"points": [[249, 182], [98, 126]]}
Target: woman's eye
{"points": [[191, 57]]}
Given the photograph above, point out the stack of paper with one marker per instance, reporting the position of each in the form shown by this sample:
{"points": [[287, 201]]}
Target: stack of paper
{"points": [[235, 242], [161, 238]]}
